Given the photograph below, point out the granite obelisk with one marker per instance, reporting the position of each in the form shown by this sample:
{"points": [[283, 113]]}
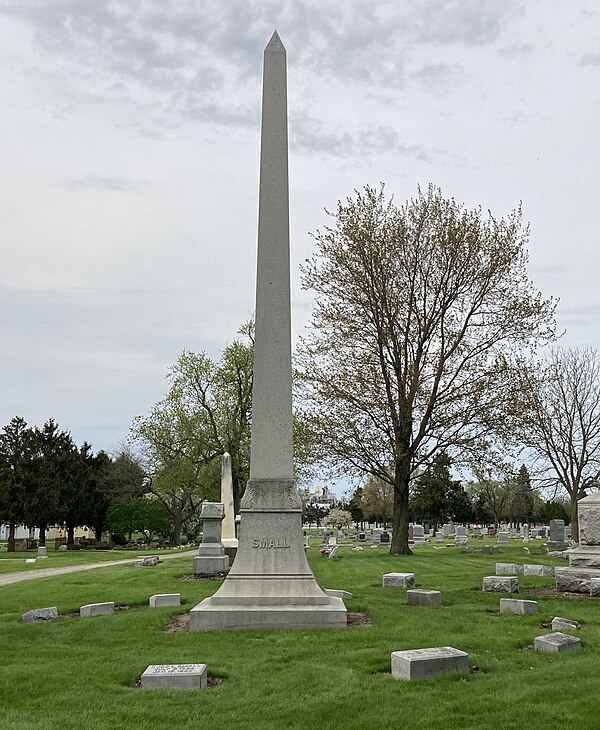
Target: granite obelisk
{"points": [[270, 583]]}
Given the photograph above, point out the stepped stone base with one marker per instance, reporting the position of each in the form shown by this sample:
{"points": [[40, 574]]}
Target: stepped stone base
{"points": [[575, 579], [208, 616]]}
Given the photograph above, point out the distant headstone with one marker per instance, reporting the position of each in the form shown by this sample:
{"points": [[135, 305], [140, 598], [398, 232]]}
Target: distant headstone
{"points": [[384, 537], [97, 609], [362, 536], [398, 580], [509, 569], [40, 614], [42, 551], [564, 624], [518, 606], [556, 539], [557, 643], [543, 570], [500, 584], [503, 537], [420, 597], [448, 529], [161, 600], [62, 548], [175, 676], [211, 552], [30, 560], [427, 663], [486, 550]]}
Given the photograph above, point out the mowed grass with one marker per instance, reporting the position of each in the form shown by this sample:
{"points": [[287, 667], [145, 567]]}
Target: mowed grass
{"points": [[15, 562], [75, 673]]}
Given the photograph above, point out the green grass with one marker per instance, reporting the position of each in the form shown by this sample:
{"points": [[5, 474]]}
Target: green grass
{"points": [[15, 562], [75, 673]]}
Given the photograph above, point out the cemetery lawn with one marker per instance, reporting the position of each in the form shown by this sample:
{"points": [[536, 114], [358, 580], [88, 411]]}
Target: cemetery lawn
{"points": [[80, 673], [15, 562]]}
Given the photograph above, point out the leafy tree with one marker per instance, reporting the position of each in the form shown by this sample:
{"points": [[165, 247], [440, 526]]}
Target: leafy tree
{"points": [[552, 509], [51, 462], [437, 497], [493, 494], [313, 513], [338, 518], [205, 413], [148, 516], [378, 500], [561, 403], [522, 498], [16, 449], [355, 506], [420, 311]]}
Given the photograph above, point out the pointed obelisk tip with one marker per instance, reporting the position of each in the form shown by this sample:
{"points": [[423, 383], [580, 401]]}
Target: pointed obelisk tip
{"points": [[275, 43]]}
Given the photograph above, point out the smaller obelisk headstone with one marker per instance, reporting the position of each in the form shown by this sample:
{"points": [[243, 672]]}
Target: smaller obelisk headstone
{"points": [[211, 553], [228, 537]]}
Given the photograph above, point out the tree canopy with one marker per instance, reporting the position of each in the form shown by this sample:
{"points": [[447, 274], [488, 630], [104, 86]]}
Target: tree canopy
{"points": [[420, 312]]}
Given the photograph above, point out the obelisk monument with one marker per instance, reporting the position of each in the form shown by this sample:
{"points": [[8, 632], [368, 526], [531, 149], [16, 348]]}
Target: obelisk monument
{"points": [[228, 528], [270, 583]]}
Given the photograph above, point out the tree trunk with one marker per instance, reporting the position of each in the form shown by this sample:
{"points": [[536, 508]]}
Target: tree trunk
{"points": [[11, 537], [399, 541], [42, 540], [70, 535], [177, 530], [98, 530], [574, 520]]}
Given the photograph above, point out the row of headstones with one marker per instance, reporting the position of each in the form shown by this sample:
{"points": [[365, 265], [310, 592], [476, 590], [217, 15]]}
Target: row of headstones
{"points": [[159, 600], [425, 663]]}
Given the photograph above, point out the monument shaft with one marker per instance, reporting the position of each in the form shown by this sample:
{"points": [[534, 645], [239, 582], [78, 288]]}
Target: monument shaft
{"points": [[270, 583]]}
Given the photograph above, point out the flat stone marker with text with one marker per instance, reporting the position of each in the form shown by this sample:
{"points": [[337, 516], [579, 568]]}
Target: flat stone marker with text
{"points": [[97, 609], [398, 580], [428, 663], [557, 643], [160, 600], [422, 597], [175, 676], [500, 584], [518, 606]]}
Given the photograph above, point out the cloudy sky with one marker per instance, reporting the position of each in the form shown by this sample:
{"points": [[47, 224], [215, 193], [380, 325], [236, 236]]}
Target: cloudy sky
{"points": [[129, 135]]}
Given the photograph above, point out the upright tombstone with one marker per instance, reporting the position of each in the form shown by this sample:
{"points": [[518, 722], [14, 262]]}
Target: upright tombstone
{"points": [[211, 553], [556, 539], [228, 536], [270, 583]]}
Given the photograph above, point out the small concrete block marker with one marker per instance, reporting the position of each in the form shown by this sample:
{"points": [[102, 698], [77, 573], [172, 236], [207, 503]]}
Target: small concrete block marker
{"points": [[398, 580], [564, 624], [344, 595], [518, 606], [40, 614], [509, 569], [160, 600], [30, 561], [557, 643], [175, 676], [97, 609], [422, 597], [427, 663], [544, 570], [500, 584]]}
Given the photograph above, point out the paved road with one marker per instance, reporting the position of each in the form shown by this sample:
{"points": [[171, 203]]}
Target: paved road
{"points": [[49, 572]]}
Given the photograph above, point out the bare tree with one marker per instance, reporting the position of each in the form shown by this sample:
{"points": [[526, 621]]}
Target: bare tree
{"points": [[419, 312], [562, 420]]}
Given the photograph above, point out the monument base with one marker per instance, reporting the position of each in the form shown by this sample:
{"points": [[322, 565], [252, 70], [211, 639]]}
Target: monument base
{"points": [[575, 579], [210, 565], [585, 556], [208, 616]]}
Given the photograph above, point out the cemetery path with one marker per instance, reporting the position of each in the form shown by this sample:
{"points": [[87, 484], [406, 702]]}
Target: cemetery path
{"points": [[49, 572]]}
